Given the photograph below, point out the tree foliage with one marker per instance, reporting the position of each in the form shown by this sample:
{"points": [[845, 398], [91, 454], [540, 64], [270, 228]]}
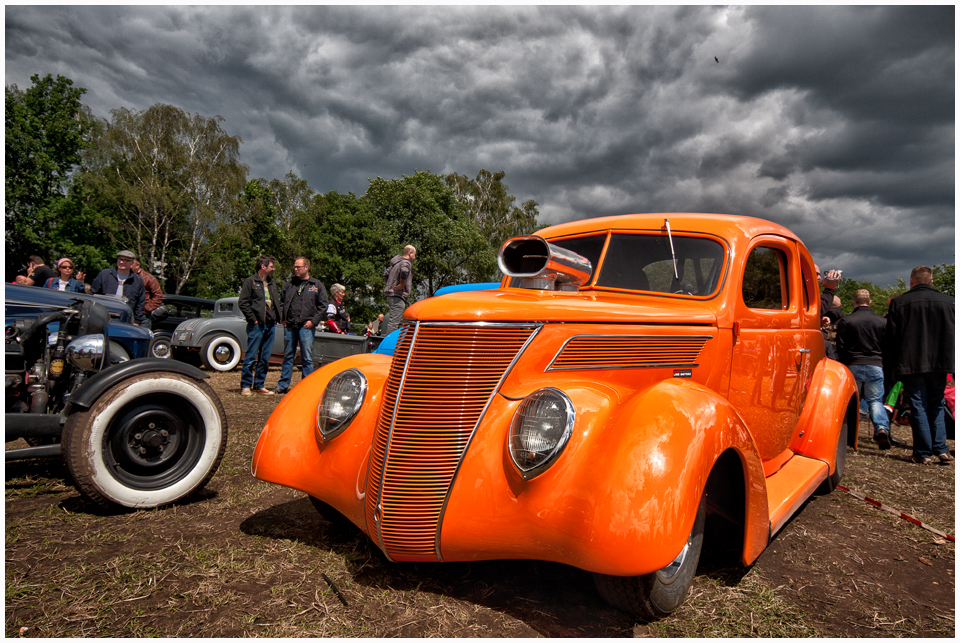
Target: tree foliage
{"points": [[421, 210], [491, 208], [173, 179], [45, 131]]}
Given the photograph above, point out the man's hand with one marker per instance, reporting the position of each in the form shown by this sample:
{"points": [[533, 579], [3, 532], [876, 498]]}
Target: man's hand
{"points": [[831, 279], [308, 324]]}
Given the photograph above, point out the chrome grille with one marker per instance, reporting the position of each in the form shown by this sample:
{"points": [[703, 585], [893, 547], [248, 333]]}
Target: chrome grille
{"points": [[441, 380], [628, 351]]}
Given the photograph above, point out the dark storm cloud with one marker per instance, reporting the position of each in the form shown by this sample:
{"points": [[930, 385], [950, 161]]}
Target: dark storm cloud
{"points": [[835, 121]]}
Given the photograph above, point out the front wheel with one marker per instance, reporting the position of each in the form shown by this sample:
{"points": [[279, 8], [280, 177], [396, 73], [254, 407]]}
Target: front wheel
{"points": [[148, 441], [656, 595], [220, 353]]}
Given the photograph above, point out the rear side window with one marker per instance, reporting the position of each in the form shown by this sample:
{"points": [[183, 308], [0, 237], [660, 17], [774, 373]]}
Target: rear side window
{"points": [[764, 279], [646, 262]]}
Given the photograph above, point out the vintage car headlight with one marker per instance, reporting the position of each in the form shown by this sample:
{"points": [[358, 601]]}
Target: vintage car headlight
{"points": [[340, 402], [539, 430], [86, 353]]}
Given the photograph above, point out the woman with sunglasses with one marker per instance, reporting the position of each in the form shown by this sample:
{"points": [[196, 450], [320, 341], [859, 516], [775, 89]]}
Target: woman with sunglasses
{"points": [[66, 281]]}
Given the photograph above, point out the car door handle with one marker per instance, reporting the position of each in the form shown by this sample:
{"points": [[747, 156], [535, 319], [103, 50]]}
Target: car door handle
{"points": [[804, 350]]}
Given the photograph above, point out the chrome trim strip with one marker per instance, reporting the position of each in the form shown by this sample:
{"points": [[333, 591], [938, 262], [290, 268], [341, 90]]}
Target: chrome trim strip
{"points": [[550, 367], [443, 509], [378, 511]]}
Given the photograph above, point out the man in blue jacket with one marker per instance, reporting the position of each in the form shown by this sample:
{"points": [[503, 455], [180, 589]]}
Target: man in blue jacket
{"points": [[121, 282]]}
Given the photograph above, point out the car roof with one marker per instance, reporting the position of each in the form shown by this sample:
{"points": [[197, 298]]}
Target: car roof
{"points": [[55, 299], [727, 226], [186, 299]]}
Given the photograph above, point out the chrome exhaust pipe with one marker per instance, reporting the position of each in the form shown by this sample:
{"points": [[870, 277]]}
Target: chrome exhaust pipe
{"points": [[541, 265]]}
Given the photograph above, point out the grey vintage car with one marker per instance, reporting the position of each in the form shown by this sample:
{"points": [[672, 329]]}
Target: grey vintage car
{"points": [[219, 341]]}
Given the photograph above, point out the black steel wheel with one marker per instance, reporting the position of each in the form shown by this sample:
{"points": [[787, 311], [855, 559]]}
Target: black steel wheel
{"points": [[151, 440]]}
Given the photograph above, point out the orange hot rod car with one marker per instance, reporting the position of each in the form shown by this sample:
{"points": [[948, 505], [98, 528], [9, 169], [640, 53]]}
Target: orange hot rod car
{"points": [[631, 376]]}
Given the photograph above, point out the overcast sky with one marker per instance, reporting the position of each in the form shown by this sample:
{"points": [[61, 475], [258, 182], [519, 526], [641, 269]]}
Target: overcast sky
{"points": [[836, 122]]}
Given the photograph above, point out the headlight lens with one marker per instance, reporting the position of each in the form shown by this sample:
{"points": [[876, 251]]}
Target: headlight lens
{"points": [[539, 431], [86, 353], [340, 403]]}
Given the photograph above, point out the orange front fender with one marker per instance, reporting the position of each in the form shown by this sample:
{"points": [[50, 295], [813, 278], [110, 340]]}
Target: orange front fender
{"points": [[289, 452], [622, 497]]}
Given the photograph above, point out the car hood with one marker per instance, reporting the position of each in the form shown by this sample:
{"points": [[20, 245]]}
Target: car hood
{"points": [[513, 305]]}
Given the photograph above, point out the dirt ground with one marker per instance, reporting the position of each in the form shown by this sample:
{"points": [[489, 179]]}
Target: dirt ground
{"points": [[245, 558]]}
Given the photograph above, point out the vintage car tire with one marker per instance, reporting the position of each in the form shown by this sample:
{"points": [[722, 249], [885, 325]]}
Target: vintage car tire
{"points": [[834, 479], [220, 353], [339, 523], [160, 347], [119, 457], [656, 595]]}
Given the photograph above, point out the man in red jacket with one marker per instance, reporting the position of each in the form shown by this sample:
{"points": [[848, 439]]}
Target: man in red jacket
{"points": [[153, 293]]}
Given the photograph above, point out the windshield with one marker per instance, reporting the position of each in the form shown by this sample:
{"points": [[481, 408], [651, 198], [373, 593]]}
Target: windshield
{"points": [[645, 262]]}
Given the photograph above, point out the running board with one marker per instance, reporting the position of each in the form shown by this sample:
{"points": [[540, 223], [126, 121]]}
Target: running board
{"points": [[789, 488]]}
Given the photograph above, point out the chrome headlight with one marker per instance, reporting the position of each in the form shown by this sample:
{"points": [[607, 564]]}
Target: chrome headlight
{"points": [[340, 402], [86, 353], [539, 431]]}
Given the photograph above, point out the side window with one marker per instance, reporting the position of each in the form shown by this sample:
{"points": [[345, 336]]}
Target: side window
{"points": [[765, 279], [809, 284], [226, 307]]}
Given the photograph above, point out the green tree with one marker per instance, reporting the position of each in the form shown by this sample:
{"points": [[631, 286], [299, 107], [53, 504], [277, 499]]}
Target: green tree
{"points": [[489, 205], [46, 130], [945, 278], [423, 211], [173, 179], [346, 244]]}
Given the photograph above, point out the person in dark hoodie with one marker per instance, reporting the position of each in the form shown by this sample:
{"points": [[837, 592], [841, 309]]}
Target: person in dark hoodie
{"points": [[303, 310], [397, 288]]}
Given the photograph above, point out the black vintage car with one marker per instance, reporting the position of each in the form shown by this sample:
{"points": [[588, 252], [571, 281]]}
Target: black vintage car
{"points": [[136, 434], [126, 340], [178, 308]]}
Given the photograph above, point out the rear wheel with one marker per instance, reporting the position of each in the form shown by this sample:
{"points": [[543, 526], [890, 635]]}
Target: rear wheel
{"points": [[220, 353], [160, 347], [653, 596], [148, 441], [834, 479]]}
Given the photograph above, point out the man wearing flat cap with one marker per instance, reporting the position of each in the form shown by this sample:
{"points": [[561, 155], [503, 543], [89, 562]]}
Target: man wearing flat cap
{"points": [[121, 282]]}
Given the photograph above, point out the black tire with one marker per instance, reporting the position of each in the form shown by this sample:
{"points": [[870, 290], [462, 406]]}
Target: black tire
{"points": [[150, 440], [653, 596], [339, 523], [160, 347], [834, 479], [220, 353]]}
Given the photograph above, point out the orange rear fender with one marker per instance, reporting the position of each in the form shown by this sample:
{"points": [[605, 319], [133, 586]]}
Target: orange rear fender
{"points": [[820, 421], [289, 452]]}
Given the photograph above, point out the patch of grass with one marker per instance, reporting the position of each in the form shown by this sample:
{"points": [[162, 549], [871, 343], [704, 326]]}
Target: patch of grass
{"points": [[748, 609]]}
